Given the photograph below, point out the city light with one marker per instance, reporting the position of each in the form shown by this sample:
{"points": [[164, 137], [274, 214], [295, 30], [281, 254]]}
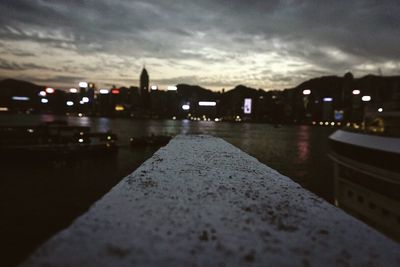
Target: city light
{"points": [[70, 103], [115, 91], [172, 88], [366, 98], [306, 92], [207, 103], [44, 100], [73, 90], [356, 92], [186, 107], [85, 99], [327, 99], [119, 108], [104, 91], [20, 98], [42, 93], [154, 87], [50, 90], [3, 109], [380, 109], [247, 105], [83, 84]]}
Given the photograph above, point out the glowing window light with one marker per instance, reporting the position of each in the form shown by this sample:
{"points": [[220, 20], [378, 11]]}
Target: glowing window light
{"points": [[172, 88], [115, 91], [119, 108], [104, 91], [70, 103], [73, 90], [83, 84], [20, 98], [207, 103], [50, 90], [44, 100], [327, 99], [356, 92], [306, 92], [366, 98], [42, 93], [85, 99], [154, 87], [186, 107]]}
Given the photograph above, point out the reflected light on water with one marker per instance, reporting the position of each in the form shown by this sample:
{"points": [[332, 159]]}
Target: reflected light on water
{"points": [[303, 144]]}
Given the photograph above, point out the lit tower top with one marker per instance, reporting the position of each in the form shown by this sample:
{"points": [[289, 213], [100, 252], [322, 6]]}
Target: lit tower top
{"points": [[144, 81]]}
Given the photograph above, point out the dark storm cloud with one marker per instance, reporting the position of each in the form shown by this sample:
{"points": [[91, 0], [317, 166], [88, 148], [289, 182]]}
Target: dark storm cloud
{"points": [[331, 36]]}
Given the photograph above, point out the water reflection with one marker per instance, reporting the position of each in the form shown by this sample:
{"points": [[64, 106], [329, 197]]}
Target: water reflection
{"points": [[303, 144]]}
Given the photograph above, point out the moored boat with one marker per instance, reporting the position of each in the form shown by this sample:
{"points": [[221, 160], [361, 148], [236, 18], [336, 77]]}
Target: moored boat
{"points": [[55, 141], [367, 171]]}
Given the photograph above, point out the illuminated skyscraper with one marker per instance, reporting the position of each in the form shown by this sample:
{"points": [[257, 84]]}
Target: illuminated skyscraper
{"points": [[144, 81]]}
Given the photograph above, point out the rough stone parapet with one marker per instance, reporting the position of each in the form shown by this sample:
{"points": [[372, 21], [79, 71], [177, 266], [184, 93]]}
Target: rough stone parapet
{"points": [[200, 201]]}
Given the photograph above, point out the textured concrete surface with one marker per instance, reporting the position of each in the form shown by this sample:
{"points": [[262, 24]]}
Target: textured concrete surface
{"points": [[200, 201]]}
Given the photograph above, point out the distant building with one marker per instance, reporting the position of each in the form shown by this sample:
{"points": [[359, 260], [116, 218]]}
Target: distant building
{"points": [[144, 81]]}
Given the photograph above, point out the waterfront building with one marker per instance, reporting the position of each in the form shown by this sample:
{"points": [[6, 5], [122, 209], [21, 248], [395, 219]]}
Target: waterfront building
{"points": [[144, 81]]}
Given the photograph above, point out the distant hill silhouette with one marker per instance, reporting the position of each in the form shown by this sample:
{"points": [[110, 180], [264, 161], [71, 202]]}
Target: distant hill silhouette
{"points": [[18, 87], [321, 86], [330, 85], [188, 91]]}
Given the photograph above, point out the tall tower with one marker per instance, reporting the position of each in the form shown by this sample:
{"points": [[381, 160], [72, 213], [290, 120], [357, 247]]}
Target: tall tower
{"points": [[144, 81]]}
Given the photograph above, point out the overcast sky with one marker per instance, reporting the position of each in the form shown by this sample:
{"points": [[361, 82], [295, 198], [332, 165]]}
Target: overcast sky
{"points": [[213, 43]]}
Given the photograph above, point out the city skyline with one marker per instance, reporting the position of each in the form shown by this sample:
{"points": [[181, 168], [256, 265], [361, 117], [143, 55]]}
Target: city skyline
{"points": [[272, 45]]}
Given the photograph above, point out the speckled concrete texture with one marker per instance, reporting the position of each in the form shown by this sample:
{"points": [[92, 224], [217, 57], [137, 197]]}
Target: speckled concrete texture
{"points": [[200, 201]]}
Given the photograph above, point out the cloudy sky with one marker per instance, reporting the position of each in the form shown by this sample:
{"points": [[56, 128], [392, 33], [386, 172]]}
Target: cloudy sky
{"points": [[214, 43]]}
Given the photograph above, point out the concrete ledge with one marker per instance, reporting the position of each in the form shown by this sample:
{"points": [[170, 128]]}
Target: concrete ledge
{"points": [[200, 201]]}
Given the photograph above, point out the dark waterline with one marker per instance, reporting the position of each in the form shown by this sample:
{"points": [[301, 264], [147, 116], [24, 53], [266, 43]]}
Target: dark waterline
{"points": [[41, 200]]}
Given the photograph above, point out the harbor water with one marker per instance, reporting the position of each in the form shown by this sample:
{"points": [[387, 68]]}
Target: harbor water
{"points": [[42, 198]]}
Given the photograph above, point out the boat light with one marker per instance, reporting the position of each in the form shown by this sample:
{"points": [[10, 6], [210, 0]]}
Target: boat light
{"points": [[327, 99], [306, 92], [44, 100], [380, 109], [70, 103], [73, 90], [185, 107], [356, 92], [42, 93], [104, 91], [85, 99]]}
